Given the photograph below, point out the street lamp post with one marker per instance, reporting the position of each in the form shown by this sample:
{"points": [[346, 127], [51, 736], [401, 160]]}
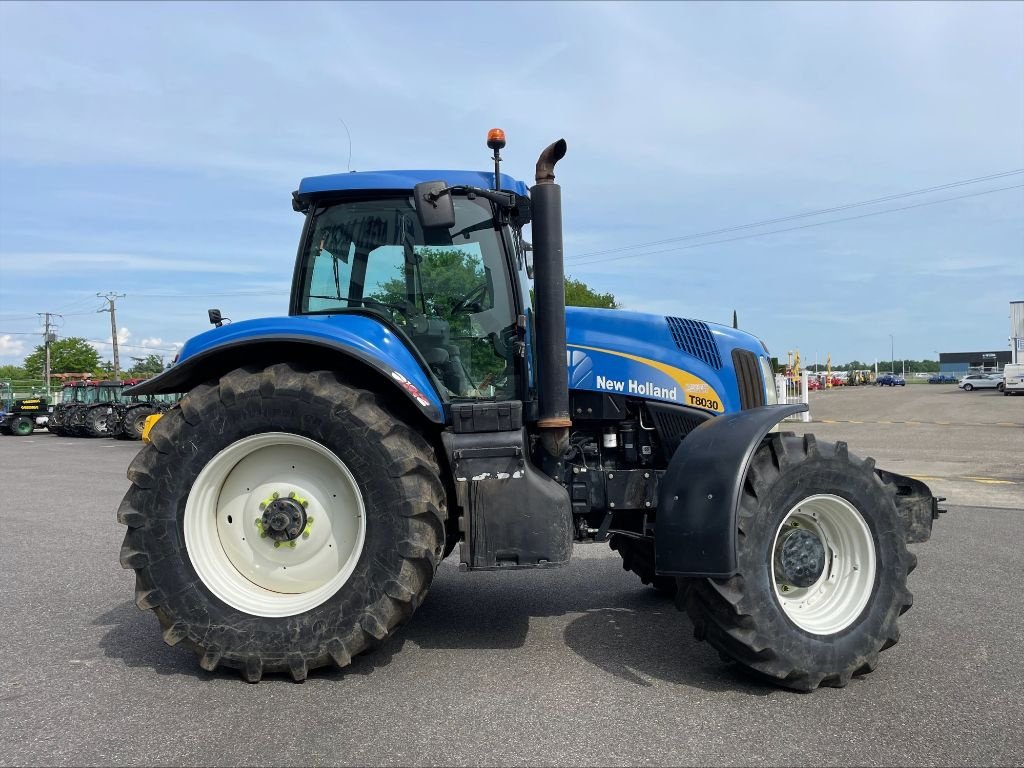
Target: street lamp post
{"points": [[892, 354]]}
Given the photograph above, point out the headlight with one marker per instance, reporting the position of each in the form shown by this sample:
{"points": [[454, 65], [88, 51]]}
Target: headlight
{"points": [[771, 394]]}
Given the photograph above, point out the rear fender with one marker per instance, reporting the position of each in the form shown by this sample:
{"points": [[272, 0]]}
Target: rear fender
{"points": [[695, 535], [346, 342]]}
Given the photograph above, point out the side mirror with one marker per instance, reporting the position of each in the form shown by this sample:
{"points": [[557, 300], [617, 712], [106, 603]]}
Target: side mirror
{"points": [[528, 258], [434, 204]]}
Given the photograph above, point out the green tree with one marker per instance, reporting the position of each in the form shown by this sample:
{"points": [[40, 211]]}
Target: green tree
{"points": [[145, 367], [71, 355], [13, 373], [579, 294], [454, 285]]}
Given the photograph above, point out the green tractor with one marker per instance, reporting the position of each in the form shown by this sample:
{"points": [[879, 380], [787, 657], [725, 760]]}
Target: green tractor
{"points": [[430, 389], [23, 416]]}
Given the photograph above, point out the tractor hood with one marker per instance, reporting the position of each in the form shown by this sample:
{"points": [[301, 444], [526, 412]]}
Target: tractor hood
{"points": [[672, 359]]}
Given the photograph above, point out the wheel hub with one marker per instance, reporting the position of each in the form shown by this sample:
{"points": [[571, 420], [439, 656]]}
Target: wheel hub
{"points": [[799, 557], [284, 519]]}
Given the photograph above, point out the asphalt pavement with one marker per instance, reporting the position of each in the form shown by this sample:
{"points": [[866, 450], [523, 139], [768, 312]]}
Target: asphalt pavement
{"points": [[581, 665]]}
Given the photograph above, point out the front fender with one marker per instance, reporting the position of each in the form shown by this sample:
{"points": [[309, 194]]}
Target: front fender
{"points": [[695, 534], [307, 337]]}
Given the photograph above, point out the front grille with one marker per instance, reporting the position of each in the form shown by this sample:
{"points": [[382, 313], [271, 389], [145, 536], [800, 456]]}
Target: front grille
{"points": [[694, 338], [748, 377]]}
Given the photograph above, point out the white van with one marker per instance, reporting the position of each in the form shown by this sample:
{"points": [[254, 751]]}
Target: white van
{"points": [[1013, 378]]}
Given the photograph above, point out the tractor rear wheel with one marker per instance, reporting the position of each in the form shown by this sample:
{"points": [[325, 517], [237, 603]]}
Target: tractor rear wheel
{"points": [[638, 557], [23, 426], [822, 568], [135, 422], [282, 520], [96, 422]]}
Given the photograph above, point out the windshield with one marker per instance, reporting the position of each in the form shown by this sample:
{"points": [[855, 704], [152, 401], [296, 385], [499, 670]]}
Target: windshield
{"points": [[447, 289], [109, 394]]}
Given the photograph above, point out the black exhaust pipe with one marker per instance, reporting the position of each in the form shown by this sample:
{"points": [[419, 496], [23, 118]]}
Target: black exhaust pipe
{"points": [[549, 288]]}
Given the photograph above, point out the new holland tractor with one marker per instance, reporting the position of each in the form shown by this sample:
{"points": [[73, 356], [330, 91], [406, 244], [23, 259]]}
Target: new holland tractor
{"points": [[423, 392]]}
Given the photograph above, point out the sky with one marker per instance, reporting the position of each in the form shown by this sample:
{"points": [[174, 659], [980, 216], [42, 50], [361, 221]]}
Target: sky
{"points": [[151, 150]]}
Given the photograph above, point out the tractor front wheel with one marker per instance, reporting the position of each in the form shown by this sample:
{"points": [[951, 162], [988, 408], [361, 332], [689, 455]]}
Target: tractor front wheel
{"points": [[822, 568], [23, 425], [282, 520]]}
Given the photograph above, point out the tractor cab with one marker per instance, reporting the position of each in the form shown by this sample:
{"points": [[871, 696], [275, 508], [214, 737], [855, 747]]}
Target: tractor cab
{"points": [[450, 286]]}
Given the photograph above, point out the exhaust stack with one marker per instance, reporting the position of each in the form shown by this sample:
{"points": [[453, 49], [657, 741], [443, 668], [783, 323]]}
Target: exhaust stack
{"points": [[549, 286]]}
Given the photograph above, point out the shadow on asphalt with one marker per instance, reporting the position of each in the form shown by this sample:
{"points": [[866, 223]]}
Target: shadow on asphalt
{"points": [[630, 632]]}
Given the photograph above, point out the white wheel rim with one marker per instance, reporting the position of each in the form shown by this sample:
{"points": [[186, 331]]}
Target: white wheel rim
{"points": [[223, 538], [845, 585]]}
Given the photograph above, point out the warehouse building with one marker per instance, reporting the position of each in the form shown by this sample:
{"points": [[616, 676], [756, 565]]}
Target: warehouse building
{"points": [[959, 363]]}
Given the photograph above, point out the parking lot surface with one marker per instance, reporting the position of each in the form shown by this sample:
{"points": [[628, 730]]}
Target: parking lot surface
{"points": [[581, 665]]}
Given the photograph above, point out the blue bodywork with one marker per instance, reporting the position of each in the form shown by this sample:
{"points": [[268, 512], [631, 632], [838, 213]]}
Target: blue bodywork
{"points": [[403, 181], [611, 351], [631, 353], [359, 336]]}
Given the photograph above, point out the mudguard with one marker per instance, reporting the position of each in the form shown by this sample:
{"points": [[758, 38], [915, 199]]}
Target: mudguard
{"points": [[700, 492], [326, 340]]}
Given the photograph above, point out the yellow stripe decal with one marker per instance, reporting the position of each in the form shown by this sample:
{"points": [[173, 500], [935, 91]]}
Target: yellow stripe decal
{"points": [[698, 393]]}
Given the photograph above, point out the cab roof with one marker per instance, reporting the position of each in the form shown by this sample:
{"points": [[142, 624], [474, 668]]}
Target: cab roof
{"points": [[402, 181]]}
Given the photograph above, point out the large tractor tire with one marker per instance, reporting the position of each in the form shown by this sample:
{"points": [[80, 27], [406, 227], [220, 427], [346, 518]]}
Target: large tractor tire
{"points": [[282, 520], [114, 424], [822, 568], [638, 557], [96, 422], [135, 422]]}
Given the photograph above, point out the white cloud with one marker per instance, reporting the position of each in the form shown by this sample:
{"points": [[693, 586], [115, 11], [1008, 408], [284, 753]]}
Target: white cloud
{"points": [[11, 347], [159, 345]]}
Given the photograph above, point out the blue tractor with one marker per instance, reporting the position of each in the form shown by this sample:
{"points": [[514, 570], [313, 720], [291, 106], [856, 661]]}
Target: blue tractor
{"points": [[429, 388]]}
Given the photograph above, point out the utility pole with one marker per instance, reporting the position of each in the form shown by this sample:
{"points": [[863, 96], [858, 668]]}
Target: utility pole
{"points": [[111, 299], [892, 355], [48, 338]]}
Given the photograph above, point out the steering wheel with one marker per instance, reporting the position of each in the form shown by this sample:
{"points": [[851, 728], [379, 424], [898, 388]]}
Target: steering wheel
{"points": [[406, 308], [475, 296]]}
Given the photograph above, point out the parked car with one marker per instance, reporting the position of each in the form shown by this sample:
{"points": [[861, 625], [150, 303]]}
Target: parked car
{"points": [[890, 380], [942, 378], [980, 381]]}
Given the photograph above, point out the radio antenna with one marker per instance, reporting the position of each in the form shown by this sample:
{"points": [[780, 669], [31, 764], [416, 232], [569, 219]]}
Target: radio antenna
{"points": [[348, 166]]}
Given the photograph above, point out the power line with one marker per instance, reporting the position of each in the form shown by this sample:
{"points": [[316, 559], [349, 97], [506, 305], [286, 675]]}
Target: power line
{"points": [[795, 216], [209, 295], [132, 346], [793, 229]]}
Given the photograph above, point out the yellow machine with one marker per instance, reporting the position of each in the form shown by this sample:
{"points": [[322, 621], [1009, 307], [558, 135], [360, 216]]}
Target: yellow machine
{"points": [[151, 421]]}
